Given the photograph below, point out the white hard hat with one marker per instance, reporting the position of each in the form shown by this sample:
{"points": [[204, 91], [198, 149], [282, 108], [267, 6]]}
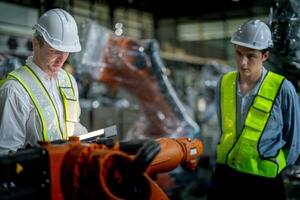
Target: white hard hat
{"points": [[59, 30], [253, 34]]}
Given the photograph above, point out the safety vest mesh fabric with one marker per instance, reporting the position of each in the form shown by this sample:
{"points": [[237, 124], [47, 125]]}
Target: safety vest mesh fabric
{"points": [[242, 153], [51, 129]]}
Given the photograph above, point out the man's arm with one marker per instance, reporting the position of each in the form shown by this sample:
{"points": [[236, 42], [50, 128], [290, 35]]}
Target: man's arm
{"points": [[13, 117], [291, 119]]}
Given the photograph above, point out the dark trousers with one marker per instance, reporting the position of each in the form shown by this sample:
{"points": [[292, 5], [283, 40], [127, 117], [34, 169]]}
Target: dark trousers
{"points": [[228, 183]]}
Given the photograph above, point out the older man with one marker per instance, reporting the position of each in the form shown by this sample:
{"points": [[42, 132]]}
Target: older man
{"points": [[39, 101]]}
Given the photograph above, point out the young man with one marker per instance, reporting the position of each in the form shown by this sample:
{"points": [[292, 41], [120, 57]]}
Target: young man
{"points": [[259, 117], [39, 101]]}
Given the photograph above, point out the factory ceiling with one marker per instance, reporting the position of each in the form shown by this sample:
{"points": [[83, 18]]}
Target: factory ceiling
{"points": [[203, 9], [197, 9]]}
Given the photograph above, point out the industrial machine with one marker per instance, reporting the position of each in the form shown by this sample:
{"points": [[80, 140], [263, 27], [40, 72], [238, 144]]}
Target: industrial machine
{"points": [[7, 64], [136, 67], [77, 170], [284, 19]]}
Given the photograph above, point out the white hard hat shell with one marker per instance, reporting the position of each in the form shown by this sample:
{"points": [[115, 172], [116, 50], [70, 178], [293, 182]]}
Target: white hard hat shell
{"points": [[253, 34], [59, 30]]}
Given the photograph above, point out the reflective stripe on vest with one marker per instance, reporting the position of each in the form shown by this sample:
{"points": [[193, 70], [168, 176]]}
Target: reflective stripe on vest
{"points": [[70, 101], [242, 153], [228, 115], [51, 129]]}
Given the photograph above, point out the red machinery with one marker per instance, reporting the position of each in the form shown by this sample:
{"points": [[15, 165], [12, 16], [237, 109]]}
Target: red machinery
{"points": [[75, 170]]}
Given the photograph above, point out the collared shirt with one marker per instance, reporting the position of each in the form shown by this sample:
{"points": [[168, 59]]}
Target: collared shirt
{"points": [[283, 128], [20, 124]]}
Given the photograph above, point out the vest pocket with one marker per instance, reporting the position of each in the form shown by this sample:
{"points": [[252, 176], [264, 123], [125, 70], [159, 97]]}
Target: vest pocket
{"points": [[68, 93], [267, 168], [70, 103], [245, 158]]}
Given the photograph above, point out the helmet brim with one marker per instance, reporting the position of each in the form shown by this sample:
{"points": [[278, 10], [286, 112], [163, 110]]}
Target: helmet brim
{"points": [[247, 45], [69, 49]]}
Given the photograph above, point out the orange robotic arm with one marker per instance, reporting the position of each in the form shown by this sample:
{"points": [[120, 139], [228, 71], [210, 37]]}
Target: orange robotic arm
{"points": [[77, 171], [174, 152], [92, 171]]}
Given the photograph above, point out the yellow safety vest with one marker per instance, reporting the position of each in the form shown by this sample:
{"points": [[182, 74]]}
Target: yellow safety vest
{"points": [[242, 153], [51, 129]]}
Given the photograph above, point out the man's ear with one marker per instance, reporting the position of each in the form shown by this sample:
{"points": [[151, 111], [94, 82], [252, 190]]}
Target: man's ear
{"points": [[35, 43], [265, 56]]}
